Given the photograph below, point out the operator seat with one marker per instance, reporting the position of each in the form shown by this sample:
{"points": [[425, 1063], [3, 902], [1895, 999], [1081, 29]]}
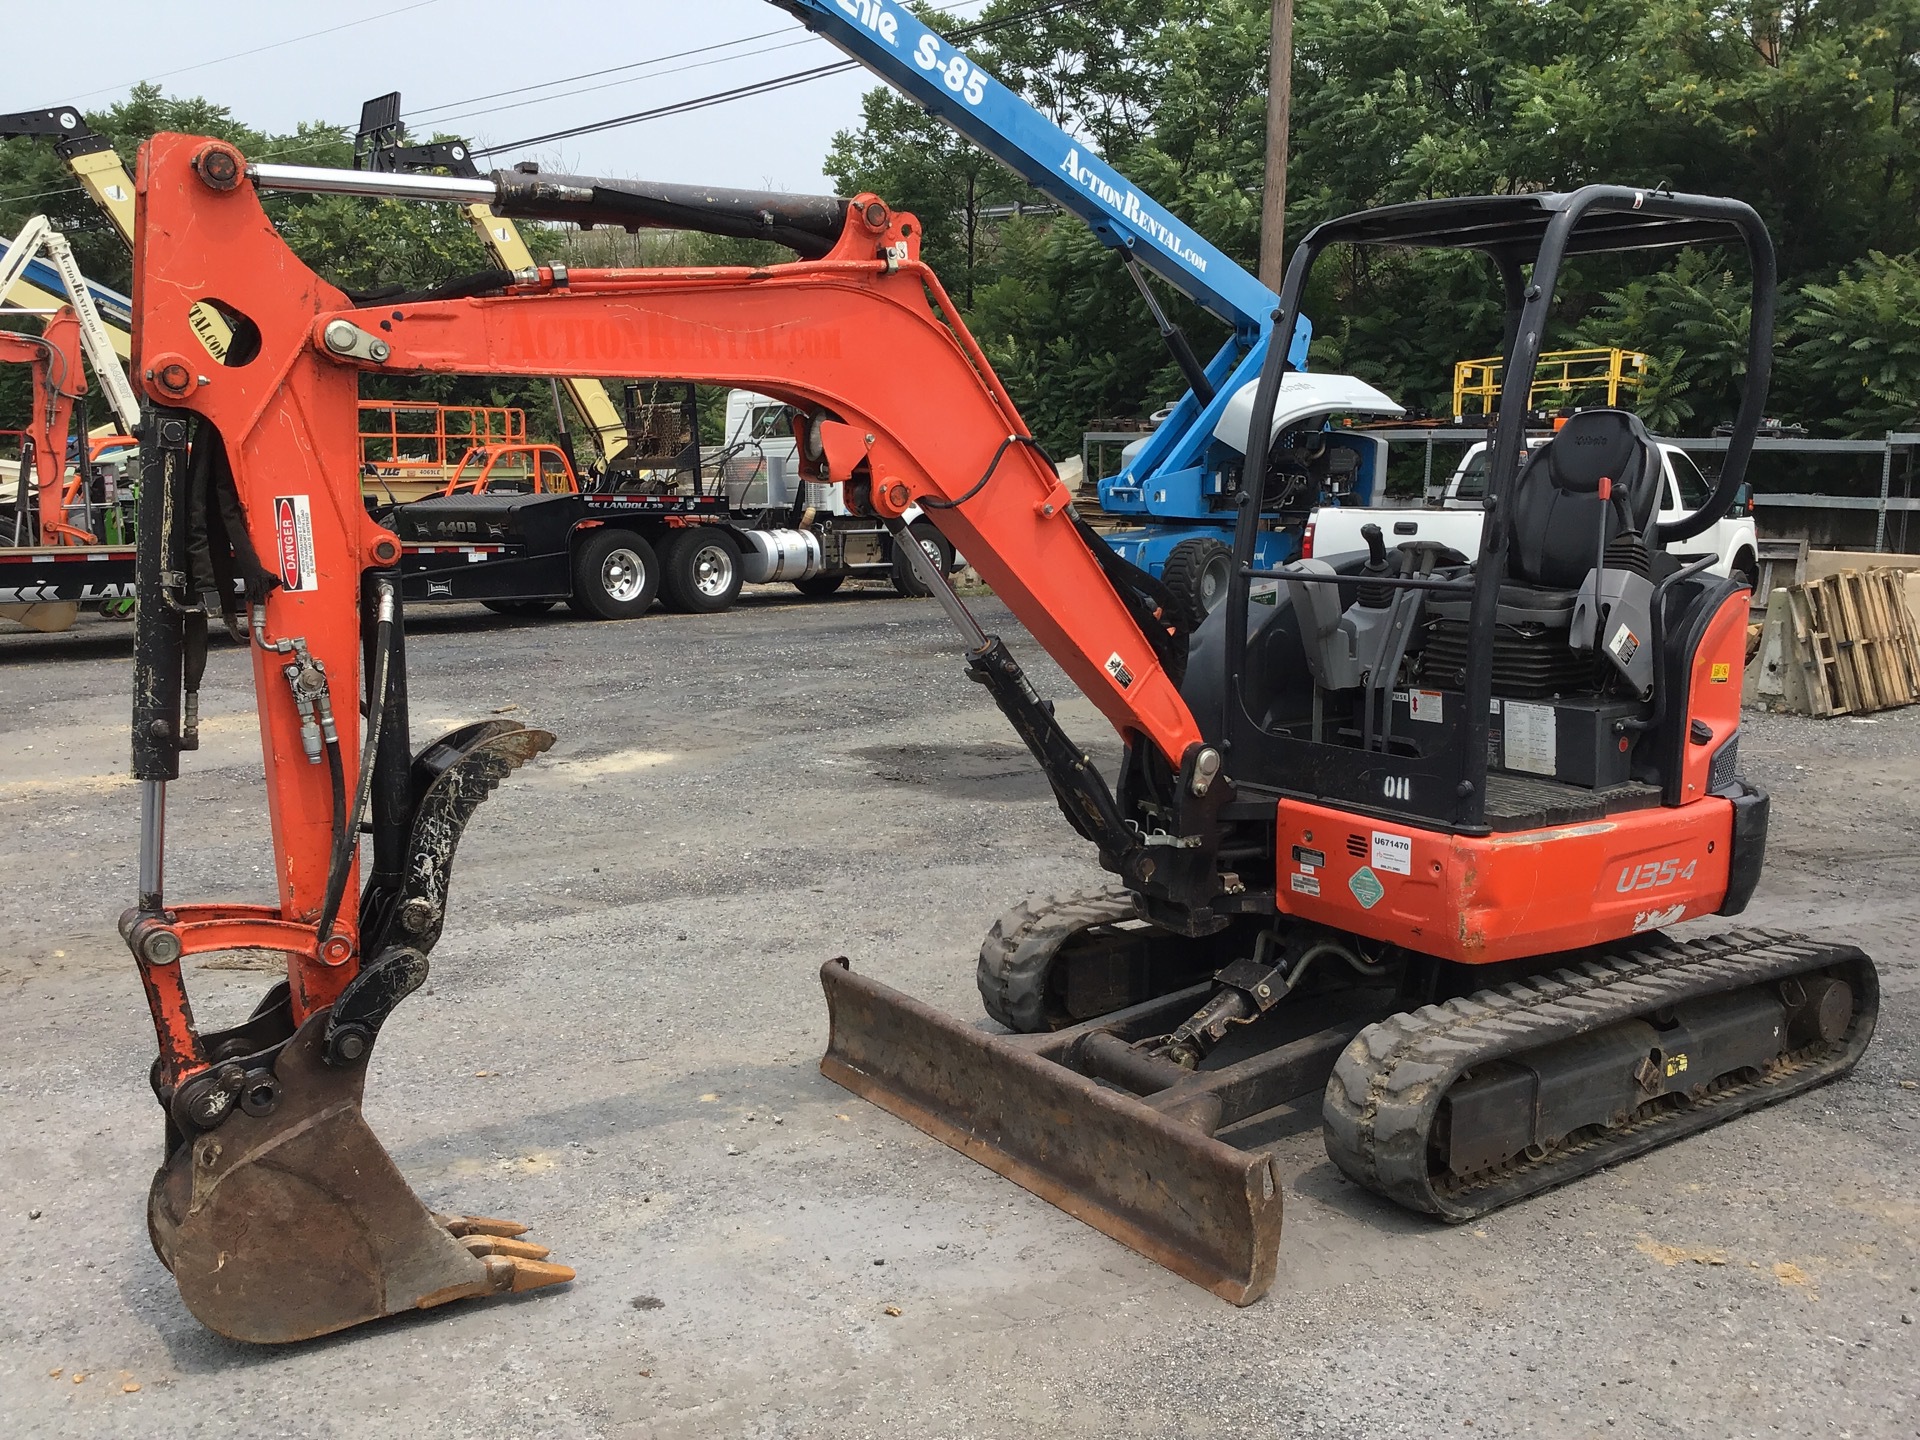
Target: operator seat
{"points": [[1555, 514], [1556, 526]]}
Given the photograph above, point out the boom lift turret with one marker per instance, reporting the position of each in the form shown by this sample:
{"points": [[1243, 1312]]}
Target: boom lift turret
{"points": [[1298, 856]]}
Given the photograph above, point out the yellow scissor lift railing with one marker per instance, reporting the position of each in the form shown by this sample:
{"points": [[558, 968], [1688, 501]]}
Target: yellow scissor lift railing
{"points": [[1563, 377]]}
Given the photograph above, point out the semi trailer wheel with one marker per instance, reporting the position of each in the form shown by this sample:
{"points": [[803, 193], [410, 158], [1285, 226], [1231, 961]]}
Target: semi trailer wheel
{"points": [[699, 570], [615, 576], [906, 580], [1198, 572]]}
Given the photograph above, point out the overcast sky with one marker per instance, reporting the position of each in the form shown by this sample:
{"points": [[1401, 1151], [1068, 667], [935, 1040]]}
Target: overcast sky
{"points": [[444, 55]]}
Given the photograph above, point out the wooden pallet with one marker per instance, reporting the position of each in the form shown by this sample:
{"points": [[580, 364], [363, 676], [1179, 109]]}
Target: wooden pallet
{"points": [[1854, 642]]}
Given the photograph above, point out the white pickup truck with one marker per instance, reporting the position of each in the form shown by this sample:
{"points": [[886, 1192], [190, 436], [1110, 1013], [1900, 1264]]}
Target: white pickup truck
{"points": [[1456, 518]]}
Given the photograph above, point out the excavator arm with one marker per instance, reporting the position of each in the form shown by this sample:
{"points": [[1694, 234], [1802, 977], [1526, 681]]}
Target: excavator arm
{"points": [[58, 382], [901, 407]]}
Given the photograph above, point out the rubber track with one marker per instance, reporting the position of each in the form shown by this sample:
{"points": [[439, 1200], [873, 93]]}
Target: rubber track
{"points": [[1018, 952], [1386, 1088]]}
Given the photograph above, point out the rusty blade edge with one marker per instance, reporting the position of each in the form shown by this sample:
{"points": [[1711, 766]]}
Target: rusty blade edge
{"points": [[1238, 1179]]}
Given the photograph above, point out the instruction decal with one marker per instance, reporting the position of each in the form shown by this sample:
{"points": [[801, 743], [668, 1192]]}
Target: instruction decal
{"points": [[1366, 887], [1392, 853], [1428, 706], [1721, 673], [1624, 645], [1310, 859], [293, 524], [1531, 733], [1117, 668], [1305, 884]]}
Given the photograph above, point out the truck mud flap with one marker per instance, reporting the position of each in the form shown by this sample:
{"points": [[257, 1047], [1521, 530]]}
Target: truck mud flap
{"points": [[1158, 1183]]}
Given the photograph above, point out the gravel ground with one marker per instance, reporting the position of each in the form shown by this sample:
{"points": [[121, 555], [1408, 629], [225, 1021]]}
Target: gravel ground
{"points": [[619, 1043]]}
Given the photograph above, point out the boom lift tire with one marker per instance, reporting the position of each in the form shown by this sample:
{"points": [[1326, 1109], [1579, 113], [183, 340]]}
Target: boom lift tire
{"points": [[519, 607], [906, 581], [616, 576], [818, 587], [1198, 572], [699, 570]]}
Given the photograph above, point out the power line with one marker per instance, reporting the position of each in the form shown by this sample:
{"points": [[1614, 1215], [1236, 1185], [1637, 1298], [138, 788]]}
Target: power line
{"points": [[593, 74], [441, 118], [764, 87], [261, 49], [611, 84]]}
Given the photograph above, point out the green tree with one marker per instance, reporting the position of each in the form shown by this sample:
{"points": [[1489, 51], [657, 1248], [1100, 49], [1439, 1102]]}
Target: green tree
{"points": [[1851, 351], [1806, 110]]}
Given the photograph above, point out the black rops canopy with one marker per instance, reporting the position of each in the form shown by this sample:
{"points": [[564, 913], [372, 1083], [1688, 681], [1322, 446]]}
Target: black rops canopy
{"points": [[1612, 217]]}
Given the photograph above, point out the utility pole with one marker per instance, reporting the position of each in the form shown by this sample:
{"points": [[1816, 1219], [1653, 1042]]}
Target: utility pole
{"points": [[1273, 209]]}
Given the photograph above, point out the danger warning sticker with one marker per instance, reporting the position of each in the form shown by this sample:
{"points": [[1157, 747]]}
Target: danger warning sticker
{"points": [[293, 525]]}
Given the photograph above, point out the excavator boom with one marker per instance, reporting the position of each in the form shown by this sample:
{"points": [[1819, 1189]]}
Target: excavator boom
{"points": [[253, 472]]}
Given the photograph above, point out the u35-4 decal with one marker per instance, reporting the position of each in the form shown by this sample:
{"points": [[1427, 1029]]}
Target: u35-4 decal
{"points": [[1653, 875]]}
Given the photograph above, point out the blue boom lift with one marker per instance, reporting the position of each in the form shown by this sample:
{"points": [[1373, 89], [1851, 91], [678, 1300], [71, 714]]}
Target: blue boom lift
{"points": [[1180, 482]]}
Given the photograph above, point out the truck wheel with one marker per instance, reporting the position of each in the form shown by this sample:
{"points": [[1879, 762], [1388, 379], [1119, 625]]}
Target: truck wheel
{"points": [[906, 580], [615, 576], [519, 607], [1746, 569], [819, 586], [699, 570], [1198, 573]]}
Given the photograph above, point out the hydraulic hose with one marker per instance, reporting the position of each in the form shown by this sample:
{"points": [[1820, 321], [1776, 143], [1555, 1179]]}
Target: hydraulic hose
{"points": [[342, 835], [346, 830]]}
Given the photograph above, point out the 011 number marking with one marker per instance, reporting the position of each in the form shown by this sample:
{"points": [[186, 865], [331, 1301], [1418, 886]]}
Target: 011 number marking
{"points": [[1652, 875]]}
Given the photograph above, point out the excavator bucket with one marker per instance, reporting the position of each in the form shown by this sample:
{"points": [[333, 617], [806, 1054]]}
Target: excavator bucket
{"points": [[1145, 1170], [277, 1210], [296, 1223]]}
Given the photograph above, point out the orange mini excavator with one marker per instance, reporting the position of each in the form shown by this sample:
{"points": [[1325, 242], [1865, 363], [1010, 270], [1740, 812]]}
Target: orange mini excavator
{"points": [[1403, 825], [58, 383]]}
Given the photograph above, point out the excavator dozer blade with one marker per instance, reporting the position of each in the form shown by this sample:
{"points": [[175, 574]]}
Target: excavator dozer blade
{"points": [[297, 1223], [1159, 1184]]}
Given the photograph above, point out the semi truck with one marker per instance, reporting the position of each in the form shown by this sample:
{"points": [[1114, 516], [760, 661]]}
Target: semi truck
{"points": [[518, 529]]}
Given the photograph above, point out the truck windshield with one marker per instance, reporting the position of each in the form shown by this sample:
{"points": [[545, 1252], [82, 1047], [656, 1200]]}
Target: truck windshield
{"points": [[1694, 489], [1473, 478], [772, 420], [1470, 481]]}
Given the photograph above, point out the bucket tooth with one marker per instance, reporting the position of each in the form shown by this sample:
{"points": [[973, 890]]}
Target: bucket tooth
{"points": [[297, 1223], [1206, 1211]]}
